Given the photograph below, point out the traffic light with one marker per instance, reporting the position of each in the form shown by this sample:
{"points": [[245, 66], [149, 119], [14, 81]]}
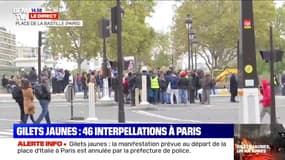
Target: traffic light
{"points": [[104, 28], [42, 39], [114, 20], [265, 55]]}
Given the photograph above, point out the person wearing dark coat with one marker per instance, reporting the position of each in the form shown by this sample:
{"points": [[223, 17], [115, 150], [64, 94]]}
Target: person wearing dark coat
{"points": [[33, 77], [84, 85], [233, 87], [5, 81], [18, 96], [183, 86]]}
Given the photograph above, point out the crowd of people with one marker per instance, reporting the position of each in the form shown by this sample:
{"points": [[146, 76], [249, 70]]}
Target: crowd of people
{"points": [[169, 87], [164, 87], [24, 88]]}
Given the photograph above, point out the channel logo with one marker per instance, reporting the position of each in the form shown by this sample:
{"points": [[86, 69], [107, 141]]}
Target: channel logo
{"points": [[37, 13]]}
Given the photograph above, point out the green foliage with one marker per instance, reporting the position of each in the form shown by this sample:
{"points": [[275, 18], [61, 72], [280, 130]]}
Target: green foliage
{"points": [[217, 25], [161, 50], [84, 42], [137, 35], [77, 43], [278, 41]]}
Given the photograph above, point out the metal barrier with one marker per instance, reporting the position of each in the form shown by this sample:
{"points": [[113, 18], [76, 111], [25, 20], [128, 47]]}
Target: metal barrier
{"points": [[69, 94]]}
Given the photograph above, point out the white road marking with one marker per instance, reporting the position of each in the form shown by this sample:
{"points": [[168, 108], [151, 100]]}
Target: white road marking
{"points": [[164, 117], [6, 133], [9, 120]]}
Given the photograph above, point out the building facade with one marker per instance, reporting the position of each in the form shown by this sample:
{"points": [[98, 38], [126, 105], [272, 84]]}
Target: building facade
{"points": [[7, 52], [27, 57]]}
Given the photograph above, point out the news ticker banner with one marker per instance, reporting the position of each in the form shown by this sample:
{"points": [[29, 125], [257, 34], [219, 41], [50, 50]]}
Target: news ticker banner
{"points": [[118, 141]]}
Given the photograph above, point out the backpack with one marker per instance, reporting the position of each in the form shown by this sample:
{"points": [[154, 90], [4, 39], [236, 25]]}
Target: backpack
{"points": [[38, 91], [17, 93]]}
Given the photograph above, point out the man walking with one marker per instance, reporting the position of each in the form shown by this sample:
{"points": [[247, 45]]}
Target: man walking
{"points": [[44, 96]]}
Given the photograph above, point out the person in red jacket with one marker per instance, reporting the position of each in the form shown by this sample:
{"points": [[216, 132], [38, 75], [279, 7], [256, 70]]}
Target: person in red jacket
{"points": [[265, 91]]}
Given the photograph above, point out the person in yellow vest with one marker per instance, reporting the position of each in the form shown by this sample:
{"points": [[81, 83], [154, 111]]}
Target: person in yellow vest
{"points": [[154, 85]]}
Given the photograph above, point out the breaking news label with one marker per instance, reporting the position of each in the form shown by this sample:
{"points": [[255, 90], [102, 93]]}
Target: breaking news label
{"points": [[118, 141], [39, 17]]}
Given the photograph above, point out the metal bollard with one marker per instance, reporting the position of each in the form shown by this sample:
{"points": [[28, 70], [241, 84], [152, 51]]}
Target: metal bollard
{"points": [[70, 89], [249, 106], [144, 91], [91, 104], [137, 90], [69, 95], [106, 96]]}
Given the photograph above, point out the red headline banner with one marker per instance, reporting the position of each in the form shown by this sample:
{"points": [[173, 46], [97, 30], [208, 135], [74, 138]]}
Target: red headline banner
{"points": [[44, 15]]}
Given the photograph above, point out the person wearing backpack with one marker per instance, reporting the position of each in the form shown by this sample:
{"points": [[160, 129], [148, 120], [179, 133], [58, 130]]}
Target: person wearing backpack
{"points": [[44, 96], [18, 96]]}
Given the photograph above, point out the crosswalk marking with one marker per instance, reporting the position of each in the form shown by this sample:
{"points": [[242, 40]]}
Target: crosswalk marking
{"points": [[165, 117], [6, 133]]}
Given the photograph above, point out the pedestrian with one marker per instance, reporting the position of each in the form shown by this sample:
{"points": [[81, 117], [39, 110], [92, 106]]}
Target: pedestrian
{"points": [[213, 86], [154, 85], [183, 86], [92, 79], [126, 90], [283, 83], [5, 82], [173, 79], [193, 85], [53, 81], [79, 82], [265, 91], [131, 87], [29, 105], [33, 77], [206, 84], [18, 97], [233, 87], [163, 84], [11, 84], [44, 100], [84, 80]]}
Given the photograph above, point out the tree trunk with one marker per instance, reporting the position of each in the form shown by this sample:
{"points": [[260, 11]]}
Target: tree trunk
{"points": [[79, 61]]}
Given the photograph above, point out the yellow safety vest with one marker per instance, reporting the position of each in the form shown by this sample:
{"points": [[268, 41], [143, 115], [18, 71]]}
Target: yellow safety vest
{"points": [[154, 83]]}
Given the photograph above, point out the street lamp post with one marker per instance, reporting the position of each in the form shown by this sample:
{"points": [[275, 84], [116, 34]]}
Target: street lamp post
{"points": [[39, 55], [192, 34], [188, 23], [195, 43]]}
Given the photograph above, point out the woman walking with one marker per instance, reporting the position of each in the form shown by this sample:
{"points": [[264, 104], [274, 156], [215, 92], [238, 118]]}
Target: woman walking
{"points": [[29, 105]]}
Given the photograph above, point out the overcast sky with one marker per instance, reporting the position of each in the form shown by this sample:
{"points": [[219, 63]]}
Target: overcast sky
{"points": [[160, 20]]}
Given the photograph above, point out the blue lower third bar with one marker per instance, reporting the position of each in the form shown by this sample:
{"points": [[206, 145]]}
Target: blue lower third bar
{"points": [[123, 130]]}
